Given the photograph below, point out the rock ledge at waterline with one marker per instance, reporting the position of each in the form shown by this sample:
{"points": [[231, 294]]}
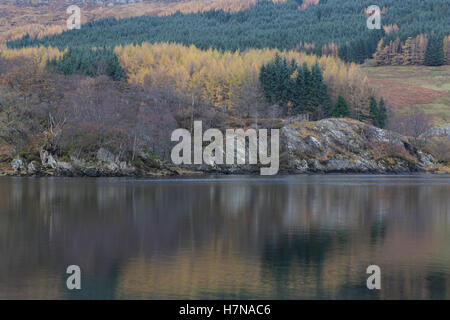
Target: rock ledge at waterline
{"points": [[325, 146]]}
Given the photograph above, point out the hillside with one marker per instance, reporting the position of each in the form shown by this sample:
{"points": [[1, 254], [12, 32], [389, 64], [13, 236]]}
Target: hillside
{"points": [[404, 87], [43, 17], [266, 24]]}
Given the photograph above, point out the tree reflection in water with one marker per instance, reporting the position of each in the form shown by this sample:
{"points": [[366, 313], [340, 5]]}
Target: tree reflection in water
{"points": [[283, 238]]}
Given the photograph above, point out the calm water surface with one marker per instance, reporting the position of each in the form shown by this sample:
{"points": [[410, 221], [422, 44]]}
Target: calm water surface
{"points": [[292, 237]]}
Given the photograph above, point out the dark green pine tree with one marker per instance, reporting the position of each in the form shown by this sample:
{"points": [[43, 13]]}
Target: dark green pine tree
{"points": [[279, 70], [113, 68], [434, 56], [309, 103], [299, 93], [89, 62], [264, 75], [267, 78], [323, 107], [314, 88], [283, 82], [287, 81], [373, 111], [274, 75], [382, 113], [343, 52], [276, 82], [340, 109]]}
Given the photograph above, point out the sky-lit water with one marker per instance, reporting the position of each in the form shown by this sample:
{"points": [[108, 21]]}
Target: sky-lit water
{"points": [[287, 237]]}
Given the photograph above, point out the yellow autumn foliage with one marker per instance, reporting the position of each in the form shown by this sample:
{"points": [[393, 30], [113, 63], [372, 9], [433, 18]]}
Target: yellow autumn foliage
{"points": [[202, 5], [36, 55], [221, 78], [225, 80]]}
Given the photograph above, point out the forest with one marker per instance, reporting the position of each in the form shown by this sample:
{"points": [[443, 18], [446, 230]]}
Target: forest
{"points": [[318, 29], [164, 86]]}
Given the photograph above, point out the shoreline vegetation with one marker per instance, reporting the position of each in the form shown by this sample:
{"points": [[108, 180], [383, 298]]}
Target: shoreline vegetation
{"points": [[327, 146]]}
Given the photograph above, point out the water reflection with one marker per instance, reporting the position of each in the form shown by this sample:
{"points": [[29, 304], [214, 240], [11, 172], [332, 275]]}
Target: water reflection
{"points": [[292, 237]]}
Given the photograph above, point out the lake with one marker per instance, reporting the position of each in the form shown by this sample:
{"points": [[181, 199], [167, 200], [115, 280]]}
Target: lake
{"points": [[234, 237]]}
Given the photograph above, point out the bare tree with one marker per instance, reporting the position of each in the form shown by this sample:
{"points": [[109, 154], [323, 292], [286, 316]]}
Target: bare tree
{"points": [[414, 123]]}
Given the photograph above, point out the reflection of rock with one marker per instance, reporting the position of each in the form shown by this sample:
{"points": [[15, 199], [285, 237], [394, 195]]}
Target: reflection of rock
{"points": [[273, 226]]}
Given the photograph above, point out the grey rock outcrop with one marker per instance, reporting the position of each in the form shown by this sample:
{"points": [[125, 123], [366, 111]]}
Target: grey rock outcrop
{"points": [[18, 165], [345, 145], [325, 146], [437, 132], [33, 168], [64, 165], [47, 159]]}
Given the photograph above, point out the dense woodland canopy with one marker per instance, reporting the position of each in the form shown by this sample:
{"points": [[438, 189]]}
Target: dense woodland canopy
{"points": [[162, 87], [245, 82], [315, 28]]}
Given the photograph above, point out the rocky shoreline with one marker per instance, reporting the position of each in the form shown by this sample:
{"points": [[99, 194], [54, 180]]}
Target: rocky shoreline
{"points": [[326, 146]]}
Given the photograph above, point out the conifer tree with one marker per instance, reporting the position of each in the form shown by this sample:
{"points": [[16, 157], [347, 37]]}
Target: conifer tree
{"points": [[382, 113], [308, 102], [434, 56], [314, 88], [373, 112], [275, 78], [299, 93], [288, 84], [323, 98], [340, 109]]}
